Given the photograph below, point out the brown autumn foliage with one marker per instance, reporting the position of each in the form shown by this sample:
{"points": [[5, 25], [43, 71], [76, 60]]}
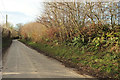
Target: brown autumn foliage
{"points": [[33, 31]]}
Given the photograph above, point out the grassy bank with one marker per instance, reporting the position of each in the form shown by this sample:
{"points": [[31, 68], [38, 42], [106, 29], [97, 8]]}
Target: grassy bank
{"points": [[98, 64]]}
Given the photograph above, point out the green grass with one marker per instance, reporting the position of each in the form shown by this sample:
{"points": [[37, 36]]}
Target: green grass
{"points": [[103, 61]]}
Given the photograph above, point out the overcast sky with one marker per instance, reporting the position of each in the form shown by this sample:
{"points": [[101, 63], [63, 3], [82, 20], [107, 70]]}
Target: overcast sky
{"points": [[23, 11], [20, 11]]}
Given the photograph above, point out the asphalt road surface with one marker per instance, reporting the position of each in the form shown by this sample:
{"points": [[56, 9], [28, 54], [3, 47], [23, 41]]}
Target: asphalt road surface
{"points": [[24, 62]]}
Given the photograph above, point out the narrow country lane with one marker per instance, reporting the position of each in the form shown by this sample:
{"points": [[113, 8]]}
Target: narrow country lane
{"points": [[24, 62]]}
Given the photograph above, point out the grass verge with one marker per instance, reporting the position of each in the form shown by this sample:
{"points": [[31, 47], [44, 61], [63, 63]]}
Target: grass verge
{"points": [[100, 65]]}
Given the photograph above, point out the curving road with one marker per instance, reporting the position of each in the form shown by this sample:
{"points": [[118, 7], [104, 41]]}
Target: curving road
{"points": [[24, 62]]}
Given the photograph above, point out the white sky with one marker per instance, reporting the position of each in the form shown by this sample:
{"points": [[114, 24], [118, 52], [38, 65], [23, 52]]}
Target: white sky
{"points": [[20, 11]]}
